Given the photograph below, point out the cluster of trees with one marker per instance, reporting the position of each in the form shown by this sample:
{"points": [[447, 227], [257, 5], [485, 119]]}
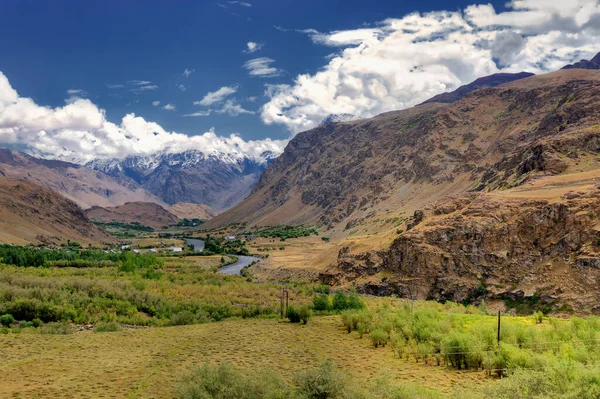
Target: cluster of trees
{"points": [[190, 223], [40, 257], [328, 382], [222, 246], [466, 338], [135, 226], [339, 302], [284, 232]]}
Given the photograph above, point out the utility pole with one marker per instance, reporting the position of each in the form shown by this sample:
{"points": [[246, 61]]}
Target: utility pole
{"points": [[284, 302], [498, 328]]}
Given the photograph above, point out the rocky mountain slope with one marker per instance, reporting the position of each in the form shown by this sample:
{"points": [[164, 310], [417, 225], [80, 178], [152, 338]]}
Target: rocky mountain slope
{"points": [[81, 184], [145, 213], [191, 176], [30, 213], [487, 81], [185, 210], [368, 184], [594, 63]]}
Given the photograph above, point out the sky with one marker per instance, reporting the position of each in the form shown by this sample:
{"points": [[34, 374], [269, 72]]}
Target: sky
{"points": [[81, 80]]}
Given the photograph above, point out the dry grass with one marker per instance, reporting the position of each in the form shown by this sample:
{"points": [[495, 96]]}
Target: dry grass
{"points": [[146, 363]]}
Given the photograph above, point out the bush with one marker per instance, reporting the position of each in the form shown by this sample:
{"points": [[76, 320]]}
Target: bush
{"points": [[321, 302], [293, 315], [7, 320], [379, 337], [183, 318], [62, 328], [36, 323], [304, 313], [340, 301], [110, 326], [323, 382], [225, 382]]}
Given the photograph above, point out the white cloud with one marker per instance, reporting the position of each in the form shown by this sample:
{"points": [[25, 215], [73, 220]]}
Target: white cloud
{"points": [[261, 67], [188, 72], [402, 62], [140, 82], [240, 3], [156, 103], [253, 47], [80, 131], [200, 113], [76, 91], [144, 88], [214, 97], [182, 87], [232, 108], [169, 107], [114, 86]]}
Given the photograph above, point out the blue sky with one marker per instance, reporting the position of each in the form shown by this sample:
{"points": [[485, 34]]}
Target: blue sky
{"points": [[317, 57], [61, 45]]}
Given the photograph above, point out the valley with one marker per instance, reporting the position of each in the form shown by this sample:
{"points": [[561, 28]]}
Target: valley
{"points": [[445, 250]]}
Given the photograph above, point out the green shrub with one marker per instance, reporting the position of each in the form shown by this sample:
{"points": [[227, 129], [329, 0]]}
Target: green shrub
{"points": [[37, 323], [7, 320], [304, 313], [225, 382], [378, 337], [321, 302], [324, 382], [340, 301], [293, 315], [62, 328], [110, 326], [183, 318]]}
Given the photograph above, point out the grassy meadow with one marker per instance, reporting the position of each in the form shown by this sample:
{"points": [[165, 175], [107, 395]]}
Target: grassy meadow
{"points": [[93, 324]]}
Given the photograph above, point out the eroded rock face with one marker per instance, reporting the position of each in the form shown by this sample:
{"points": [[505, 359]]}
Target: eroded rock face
{"points": [[478, 246]]}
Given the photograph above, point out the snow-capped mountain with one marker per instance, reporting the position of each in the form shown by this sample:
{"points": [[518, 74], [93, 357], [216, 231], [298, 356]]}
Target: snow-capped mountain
{"points": [[336, 118], [217, 180]]}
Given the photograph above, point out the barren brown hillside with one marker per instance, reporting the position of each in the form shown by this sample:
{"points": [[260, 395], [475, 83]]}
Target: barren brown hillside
{"points": [[186, 210], [81, 184], [32, 214], [145, 213], [492, 196]]}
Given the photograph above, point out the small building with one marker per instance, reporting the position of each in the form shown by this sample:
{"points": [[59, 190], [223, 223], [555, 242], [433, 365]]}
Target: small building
{"points": [[175, 249], [125, 246], [230, 238], [135, 251], [152, 251]]}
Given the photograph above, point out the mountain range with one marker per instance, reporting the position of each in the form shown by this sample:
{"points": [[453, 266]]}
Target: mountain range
{"points": [[491, 195], [191, 176]]}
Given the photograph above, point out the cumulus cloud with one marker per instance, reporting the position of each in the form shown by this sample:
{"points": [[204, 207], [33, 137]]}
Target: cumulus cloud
{"points": [[182, 87], [169, 107], [80, 131], [218, 96], [253, 47], [156, 103], [401, 62], [188, 72], [261, 67]]}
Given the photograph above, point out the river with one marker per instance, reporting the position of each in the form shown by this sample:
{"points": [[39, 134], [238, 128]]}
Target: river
{"points": [[234, 268]]}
